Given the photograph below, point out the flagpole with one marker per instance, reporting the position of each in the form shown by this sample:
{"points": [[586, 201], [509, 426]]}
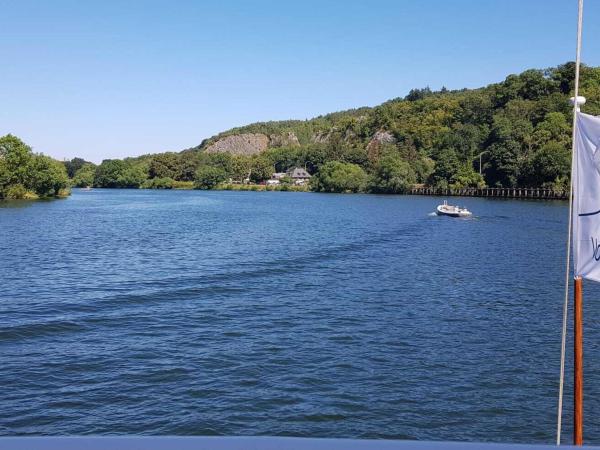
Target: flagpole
{"points": [[578, 364], [578, 400]]}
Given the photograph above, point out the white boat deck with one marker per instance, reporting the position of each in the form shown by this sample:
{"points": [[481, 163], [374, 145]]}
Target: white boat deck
{"points": [[245, 443]]}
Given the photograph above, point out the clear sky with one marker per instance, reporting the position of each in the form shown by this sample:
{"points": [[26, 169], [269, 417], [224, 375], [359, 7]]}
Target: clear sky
{"points": [[107, 79]]}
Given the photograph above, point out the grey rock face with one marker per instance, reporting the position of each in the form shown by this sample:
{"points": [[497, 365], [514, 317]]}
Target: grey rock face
{"points": [[379, 138], [240, 144], [288, 139]]}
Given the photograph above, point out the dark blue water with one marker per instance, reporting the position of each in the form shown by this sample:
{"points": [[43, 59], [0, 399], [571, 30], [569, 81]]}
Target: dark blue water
{"points": [[249, 313]]}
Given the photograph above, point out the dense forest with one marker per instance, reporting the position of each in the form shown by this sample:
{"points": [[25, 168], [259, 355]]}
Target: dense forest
{"points": [[519, 129]]}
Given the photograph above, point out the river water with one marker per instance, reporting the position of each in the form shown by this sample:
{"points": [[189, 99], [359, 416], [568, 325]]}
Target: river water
{"points": [[296, 314]]}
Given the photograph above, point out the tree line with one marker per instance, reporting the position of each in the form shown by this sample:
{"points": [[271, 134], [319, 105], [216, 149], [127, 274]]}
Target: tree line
{"points": [[516, 133]]}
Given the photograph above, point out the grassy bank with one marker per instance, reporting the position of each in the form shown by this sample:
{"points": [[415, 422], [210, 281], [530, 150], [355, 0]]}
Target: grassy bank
{"points": [[261, 187], [189, 185]]}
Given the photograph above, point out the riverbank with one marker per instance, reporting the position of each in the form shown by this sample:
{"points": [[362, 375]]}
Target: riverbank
{"points": [[189, 185], [512, 193], [19, 193], [263, 187]]}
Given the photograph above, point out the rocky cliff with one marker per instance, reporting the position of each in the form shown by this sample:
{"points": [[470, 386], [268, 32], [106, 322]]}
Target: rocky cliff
{"points": [[240, 144], [251, 143]]}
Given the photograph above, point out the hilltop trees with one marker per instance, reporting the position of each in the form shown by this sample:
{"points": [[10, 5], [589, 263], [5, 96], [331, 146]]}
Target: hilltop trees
{"points": [[441, 134], [519, 128]]}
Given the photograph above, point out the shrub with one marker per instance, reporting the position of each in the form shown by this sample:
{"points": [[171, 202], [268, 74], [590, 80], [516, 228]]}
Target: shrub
{"points": [[209, 177], [158, 183], [392, 176], [17, 192], [336, 176]]}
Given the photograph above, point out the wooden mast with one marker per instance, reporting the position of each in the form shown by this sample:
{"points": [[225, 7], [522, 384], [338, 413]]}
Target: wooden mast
{"points": [[578, 304], [578, 364]]}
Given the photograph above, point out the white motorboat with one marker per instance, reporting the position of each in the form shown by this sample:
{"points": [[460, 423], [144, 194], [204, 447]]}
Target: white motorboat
{"points": [[452, 211]]}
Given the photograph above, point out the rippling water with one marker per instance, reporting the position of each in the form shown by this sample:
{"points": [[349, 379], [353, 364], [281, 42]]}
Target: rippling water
{"points": [[251, 313]]}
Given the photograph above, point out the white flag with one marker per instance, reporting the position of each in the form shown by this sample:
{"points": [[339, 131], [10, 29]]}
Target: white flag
{"points": [[586, 200]]}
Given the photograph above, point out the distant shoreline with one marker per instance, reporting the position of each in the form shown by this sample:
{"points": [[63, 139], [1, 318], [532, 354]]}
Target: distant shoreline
{"points": [[498, 193], [513, 193]]}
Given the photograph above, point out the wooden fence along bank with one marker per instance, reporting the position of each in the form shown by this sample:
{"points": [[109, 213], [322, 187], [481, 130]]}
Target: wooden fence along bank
{"points": [[542, 194]]}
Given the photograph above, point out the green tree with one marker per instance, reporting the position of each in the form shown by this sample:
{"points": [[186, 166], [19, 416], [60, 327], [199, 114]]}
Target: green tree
{"points": [[115, 173], [188, 166], [392, 176], [108, 173], [4, 177], [446, 166], [240, 168], [17, 192], [24, 174], [313, 156], [503, 168], [466, 177], [165, 165], [48, 177], [283, 158], [423, 168], [132, 177], [84, 177], [209, 177], [221, 160], [260, 169], [158, 183], [554, 128], [336, 176], [74, 165], [549, 166], [16, 156]]}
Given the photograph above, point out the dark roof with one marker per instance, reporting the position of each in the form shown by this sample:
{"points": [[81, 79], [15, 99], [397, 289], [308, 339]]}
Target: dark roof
{"points": [[298, 172]]}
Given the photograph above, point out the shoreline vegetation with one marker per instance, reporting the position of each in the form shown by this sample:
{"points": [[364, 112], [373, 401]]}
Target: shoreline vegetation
{"points": [[25, 175], [188, 186], [513, 134]]}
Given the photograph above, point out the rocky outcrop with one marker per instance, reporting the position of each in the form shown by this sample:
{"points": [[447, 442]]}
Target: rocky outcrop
{"points": [[379, 138], [288, 139], [322, 137], [240, 144], [382, 137], [252, 143]]}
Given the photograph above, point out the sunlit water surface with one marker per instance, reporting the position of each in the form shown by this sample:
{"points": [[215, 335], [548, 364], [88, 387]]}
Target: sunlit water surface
{"points": [[249, 313]]}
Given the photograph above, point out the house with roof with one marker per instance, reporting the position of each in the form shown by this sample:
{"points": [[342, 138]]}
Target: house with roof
{"points": [[299, 175]]}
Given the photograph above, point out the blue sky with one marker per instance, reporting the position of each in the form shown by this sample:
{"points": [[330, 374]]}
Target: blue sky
{"points": [[109, 79]]}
